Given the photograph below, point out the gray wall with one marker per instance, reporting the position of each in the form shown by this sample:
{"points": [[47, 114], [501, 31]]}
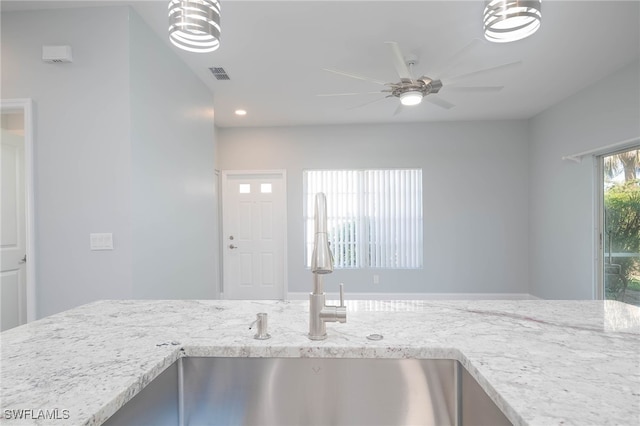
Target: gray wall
{"points": [[475, 185], [111, 146], [562, 218], [174, 207], [82, 149]]}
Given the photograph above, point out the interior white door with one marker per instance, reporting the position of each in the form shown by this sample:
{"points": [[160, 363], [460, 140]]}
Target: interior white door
{"points": [[254, 235], [13, 294]]}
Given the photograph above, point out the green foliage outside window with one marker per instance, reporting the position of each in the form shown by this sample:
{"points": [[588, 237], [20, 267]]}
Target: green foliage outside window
{"points": [[622, 215]]}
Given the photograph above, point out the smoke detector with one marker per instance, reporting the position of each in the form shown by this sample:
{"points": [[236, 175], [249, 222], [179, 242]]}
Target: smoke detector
{"points": [[57, 54]]}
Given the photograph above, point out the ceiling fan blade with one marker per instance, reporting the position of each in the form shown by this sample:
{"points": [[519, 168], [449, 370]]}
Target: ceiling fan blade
{"points": [[475, 89], [353, 75], [399, 109], [348, 94], [439, 101], [398, 61], [443, 68], [367, 103], [484, 70]]}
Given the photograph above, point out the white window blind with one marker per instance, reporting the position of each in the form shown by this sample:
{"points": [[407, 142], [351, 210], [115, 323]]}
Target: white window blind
{"points": [[374, 217]]}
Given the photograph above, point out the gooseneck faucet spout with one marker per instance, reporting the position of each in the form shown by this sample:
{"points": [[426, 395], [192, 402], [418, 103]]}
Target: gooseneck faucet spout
{"points": [[321, 259], [322, 264]]}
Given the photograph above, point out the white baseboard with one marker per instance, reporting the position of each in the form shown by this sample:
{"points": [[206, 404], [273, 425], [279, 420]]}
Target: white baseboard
{"points": [[420, 296]]}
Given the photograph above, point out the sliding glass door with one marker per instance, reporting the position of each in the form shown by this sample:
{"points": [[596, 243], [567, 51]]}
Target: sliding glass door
{"points": [[620, 226]]}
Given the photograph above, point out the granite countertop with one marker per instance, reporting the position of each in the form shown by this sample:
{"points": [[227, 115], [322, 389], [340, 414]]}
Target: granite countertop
{"points": [[542, 362]]}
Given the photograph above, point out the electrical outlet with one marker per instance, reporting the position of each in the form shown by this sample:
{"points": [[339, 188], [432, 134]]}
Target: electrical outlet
{"points": [[376, 279]]}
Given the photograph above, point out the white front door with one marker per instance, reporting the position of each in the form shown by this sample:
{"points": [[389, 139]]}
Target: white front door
{"points": [[254, 234], [13, 291]]}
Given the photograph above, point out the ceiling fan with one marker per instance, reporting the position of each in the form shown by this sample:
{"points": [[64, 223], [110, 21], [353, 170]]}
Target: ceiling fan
{"points": [[411, 91]]}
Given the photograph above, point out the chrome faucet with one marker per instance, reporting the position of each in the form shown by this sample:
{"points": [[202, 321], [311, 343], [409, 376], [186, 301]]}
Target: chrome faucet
{"points": [[322, 264]]}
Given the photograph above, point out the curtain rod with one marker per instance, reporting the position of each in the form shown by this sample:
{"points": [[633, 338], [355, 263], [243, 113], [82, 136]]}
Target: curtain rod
{"points": [[623, 144]]}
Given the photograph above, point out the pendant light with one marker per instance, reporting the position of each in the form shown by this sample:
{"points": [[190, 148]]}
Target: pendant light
{"points": [[511, 20], [194, 25]]}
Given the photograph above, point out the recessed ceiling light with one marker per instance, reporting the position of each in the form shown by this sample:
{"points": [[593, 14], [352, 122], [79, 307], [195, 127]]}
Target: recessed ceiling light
{"points": [[241, 112]]}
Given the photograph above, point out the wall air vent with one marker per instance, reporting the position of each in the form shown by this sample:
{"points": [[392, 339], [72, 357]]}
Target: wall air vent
{"points": [[219, 73]]}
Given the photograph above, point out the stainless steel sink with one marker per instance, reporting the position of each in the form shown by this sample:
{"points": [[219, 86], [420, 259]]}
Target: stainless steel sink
{"points": [[311, 391]]}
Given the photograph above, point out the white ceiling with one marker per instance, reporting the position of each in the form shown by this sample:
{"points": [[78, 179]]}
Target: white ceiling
{"points": [[274, 52]]}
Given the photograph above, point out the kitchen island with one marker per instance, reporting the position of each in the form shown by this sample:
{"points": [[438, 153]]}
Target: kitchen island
{"points": [[541, 362]]}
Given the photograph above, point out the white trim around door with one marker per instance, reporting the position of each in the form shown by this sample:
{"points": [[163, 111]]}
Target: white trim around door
{"points": [[25, 106]]}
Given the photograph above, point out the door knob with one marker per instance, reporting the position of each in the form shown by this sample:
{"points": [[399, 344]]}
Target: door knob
{"points": [[23, 260], [231, 246]]}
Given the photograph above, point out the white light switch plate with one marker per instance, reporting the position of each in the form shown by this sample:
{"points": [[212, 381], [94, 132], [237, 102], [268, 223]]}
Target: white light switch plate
{"points": [[102, 241]]}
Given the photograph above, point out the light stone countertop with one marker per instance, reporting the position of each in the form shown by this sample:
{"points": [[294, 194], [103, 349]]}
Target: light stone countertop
{"points": [[542, 362]]}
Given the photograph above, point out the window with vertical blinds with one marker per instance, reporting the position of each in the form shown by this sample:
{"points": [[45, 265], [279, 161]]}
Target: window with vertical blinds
{"points": [[374, 216]]}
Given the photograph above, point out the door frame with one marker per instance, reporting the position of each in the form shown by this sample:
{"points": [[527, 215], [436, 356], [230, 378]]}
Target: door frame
{"points": [[278, 172], [25, 106], [598, 184], [218, 229], [599, 234]]}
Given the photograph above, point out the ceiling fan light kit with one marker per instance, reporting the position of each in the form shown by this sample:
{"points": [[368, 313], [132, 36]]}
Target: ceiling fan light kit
{"points": [[194, 25], [412, 97], [411, 92], [511, 20]]}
